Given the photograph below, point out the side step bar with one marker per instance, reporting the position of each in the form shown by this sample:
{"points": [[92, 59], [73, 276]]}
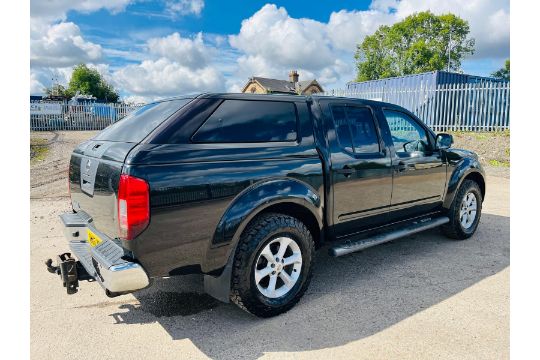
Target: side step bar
{"points": [[350, 246]]}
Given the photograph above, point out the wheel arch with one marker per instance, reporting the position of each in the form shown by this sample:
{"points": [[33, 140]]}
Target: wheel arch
{"points": [[287, 196], [479, 179], [284, 195], [468, 169]]}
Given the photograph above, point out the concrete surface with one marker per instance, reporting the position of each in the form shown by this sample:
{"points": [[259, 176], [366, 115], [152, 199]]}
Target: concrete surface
{"points": [[421, 297]]}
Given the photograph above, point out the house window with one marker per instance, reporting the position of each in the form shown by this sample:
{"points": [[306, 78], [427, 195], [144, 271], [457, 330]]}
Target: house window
{"points": [[253, 89]]}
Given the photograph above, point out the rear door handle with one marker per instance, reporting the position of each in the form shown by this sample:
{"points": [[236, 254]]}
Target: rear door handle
{"points": [[401, 166], [346, 170]]}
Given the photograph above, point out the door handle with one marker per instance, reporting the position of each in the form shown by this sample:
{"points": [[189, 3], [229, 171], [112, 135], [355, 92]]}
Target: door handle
{"points": [[401, 166], [346, 170]]}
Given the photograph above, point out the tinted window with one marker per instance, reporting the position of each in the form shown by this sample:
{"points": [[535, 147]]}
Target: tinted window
{"points": [[249, 121], [355, 129], [342, 128], [408, 136], [138, 124]]}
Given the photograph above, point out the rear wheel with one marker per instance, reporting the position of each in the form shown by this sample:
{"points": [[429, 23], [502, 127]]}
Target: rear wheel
{"points": [[272, 265], [465, 212]]}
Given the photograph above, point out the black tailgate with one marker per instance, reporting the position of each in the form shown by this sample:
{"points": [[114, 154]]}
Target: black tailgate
{"points": [[95, 169], [96, 165]]}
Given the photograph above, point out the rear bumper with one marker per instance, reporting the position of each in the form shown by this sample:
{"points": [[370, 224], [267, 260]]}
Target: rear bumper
{"points": [[105, 262]]}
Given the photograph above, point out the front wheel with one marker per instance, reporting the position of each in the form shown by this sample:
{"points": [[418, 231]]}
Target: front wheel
{"points": [[465, 212], [272, 265]]}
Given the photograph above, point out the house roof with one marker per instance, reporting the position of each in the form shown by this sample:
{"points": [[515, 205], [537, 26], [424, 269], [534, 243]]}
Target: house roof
{"points": [[301, 85], [283, 86]]}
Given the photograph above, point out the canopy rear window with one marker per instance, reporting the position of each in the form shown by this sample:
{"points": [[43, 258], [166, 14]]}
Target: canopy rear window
{"points": [[141, 122]]}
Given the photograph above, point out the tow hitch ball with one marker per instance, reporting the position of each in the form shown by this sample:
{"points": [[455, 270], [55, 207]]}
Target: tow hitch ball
{"points": [[70, 271]]}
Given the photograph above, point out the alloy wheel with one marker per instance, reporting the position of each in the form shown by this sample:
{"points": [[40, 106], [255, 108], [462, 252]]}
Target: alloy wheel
{"points": [[467, 212], [278, 267]]}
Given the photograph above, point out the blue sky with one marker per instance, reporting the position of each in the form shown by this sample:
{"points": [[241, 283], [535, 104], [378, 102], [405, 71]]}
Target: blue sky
{"points": [[151, 49]]}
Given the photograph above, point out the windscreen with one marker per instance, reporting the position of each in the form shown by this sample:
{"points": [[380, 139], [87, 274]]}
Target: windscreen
{"points": [[141, 122]]}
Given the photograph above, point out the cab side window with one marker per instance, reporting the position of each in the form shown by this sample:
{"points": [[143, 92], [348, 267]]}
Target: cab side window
{"points": [[355, 129], [408, 136]]}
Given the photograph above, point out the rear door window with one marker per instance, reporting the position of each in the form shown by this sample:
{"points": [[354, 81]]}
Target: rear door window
{"points": [[355, 129], [137, 125], [245, 121]]}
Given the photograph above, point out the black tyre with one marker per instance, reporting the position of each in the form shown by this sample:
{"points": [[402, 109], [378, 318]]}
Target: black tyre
{"points": [[465, 212], [272, 265]]}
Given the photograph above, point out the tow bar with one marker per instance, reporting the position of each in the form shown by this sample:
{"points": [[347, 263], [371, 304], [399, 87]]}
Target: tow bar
{"points": [[70, 271]]}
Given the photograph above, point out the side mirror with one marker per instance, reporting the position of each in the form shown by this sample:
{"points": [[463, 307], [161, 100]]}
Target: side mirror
{"points": [[443, 141]]}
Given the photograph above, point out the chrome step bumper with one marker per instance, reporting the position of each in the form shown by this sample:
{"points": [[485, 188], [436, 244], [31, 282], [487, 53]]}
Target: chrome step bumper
{"points": [[104, 262]]}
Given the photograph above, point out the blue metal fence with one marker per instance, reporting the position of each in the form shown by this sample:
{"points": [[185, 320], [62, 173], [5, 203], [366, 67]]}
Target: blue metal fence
{"points": [[480, 106]]}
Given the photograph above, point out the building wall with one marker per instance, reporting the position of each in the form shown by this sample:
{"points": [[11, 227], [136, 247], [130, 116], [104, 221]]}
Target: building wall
{"points": [[254, 88], [312, 89]]}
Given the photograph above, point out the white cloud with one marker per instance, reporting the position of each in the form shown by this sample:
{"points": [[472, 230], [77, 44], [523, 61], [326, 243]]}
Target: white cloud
{"points": [[184, 7], [192, 53], [163, 77], [175, 65], [137, 99], [346, 29], [272, 34], [61, 45], [271, 42], [36, 86], [57, 9], [43, 77]]}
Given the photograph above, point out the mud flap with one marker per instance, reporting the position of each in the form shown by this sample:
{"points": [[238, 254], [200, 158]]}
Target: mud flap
{"points": [[220, 287]]}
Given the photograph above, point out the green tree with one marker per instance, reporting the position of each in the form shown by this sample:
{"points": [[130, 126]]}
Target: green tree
{"points": [[57, 90], [418, 43], [88, 81], [504, 72]]}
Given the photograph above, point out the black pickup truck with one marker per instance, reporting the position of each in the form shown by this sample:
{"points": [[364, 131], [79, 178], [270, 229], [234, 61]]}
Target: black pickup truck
{"points": [[244, 188]]}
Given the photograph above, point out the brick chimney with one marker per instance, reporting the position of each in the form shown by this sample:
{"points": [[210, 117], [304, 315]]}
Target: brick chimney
{"points": [[293, 76]]}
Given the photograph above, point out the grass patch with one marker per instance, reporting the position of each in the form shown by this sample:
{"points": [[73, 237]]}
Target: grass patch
{"points": [[480, 136], [38, 149], [497, 163]]}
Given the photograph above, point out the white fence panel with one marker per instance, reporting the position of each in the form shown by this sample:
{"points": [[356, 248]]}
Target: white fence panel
{"points": [[85, 116]]}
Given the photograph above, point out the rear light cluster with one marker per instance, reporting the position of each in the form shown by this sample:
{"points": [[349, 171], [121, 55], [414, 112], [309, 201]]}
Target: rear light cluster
{"points": [[133, 206]]}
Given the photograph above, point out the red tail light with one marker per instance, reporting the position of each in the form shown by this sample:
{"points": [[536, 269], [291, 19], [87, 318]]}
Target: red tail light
{"points": [[133, 206]]}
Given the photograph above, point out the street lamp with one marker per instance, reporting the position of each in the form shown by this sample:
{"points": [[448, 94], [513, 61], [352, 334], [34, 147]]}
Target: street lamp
{"points": [[449, 50]]}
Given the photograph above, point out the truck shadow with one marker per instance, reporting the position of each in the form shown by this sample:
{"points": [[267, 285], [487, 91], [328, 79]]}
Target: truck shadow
{"points": [[349, 298]]}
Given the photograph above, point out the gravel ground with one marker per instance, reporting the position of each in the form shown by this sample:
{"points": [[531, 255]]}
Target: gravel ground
{"points": [[493, 149], [48, 176], [422, 297]]}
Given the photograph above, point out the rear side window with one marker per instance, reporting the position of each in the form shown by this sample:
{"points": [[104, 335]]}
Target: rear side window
{"points": [[355, 129], [141, 122], [249, 121]]}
